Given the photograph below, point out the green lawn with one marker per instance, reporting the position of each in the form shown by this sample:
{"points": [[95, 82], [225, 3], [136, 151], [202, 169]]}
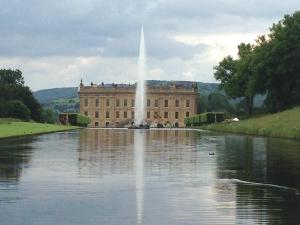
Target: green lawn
{"points": [[285, 124], [15, 128]]}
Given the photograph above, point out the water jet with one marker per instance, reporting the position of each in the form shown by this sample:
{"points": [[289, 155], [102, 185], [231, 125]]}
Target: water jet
{"points": [[139, 106]]}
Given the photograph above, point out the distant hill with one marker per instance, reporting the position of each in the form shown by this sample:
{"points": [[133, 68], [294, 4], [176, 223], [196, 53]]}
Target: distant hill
{"points": [[47, 95]]}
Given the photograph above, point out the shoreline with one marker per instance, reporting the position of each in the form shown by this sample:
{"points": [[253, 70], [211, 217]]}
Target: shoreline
{"points": [[247, 134]]}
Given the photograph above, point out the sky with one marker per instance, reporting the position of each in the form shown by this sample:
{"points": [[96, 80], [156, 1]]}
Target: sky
{"points": [[55, 43]]}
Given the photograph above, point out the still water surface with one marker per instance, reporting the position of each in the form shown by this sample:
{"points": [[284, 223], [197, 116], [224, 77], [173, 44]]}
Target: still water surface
{"points": [[151, 177]]}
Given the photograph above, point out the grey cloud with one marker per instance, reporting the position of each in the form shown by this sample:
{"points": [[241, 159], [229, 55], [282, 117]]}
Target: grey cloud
{"points": [[159, 47], [79, 28]]}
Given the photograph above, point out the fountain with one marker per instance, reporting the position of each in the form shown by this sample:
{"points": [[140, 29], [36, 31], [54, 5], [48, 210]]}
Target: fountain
{"points": [[139, 108]]}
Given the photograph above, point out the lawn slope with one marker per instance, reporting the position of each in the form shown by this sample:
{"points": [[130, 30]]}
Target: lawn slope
{"points": [[15, 128], [285, 124]]}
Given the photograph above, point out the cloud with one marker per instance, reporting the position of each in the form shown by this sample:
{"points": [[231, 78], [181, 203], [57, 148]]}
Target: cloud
{"points": [[99, 39]]}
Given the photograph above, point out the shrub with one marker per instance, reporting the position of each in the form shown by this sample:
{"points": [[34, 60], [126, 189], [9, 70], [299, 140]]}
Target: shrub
{"points": [[15, 109], [47, 116]]}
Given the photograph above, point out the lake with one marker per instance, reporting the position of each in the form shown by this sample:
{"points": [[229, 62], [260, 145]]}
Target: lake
{"points": [[151, 177]]}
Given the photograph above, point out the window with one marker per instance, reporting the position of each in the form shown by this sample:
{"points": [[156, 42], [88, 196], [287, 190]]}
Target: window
{"points": [[97, 102], [96, 124], [176, 125], [176, 115], [125, 114], [166, 115], [156, 103], [187, 114], [117, 102], [107, 124], [107, 114], [176, 103], [86, 113], [125, 102], [96, 114], [117, 114], [187, 103], [166, 103], [132, 102], [148, 102], [132, 114], [86, 102], [148, 115], [107, 102]]}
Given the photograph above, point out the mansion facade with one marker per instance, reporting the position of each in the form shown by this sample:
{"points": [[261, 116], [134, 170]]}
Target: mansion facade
{"points": [[112, 105]]}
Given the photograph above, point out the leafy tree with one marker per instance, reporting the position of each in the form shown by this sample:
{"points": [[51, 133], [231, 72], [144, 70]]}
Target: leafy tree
{"points": [[15, 109], [270, 67], [11, 77], [280, 64], [12, 88], [48, 116], [236, 74], [217, 102], [202, 103]]}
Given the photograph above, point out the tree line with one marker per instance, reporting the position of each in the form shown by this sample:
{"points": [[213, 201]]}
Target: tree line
{"points": [[270, 67], [17, 100]]}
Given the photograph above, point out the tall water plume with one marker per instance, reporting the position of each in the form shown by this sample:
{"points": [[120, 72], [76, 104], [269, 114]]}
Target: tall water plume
{"points": [[139, 109]]}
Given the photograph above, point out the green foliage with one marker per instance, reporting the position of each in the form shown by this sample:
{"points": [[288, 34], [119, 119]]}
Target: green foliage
{"points": [[12, 88], [48, 116], [204, 118], [235, 75], [62, 105], [202, 103], [75, 119], [11, 77], [15, 109], [270, 67], [217, 102]]}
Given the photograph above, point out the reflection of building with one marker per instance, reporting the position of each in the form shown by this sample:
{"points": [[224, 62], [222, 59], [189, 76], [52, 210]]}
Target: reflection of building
{"points": [[113, 105], [111, 151]]}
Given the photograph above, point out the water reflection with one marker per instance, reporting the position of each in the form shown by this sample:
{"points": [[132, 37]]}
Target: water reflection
{"points": [[14, 156], [165, 177], [139, 173]]}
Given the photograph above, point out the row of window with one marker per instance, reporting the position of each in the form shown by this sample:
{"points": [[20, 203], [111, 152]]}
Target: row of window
{"points": [[125, 103], [125, 116]]}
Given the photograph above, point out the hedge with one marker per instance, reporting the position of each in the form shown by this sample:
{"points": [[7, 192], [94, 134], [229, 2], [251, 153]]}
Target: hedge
{"points": [[204, 118], [76, 119]]}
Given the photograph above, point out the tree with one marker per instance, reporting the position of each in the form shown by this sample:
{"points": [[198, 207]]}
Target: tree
{"points": [[281, 65], [11, 77], [270, 67], [235, 75], [217, 102], [15, 109], [12, 88], [48, 116], [202, 103]]}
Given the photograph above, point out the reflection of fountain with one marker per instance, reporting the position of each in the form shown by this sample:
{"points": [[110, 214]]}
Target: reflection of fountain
{"points": [[139, 108], [139, 172]]}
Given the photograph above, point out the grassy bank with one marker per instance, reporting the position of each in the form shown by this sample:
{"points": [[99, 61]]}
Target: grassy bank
{"points": [[285, 124], [15, 128]]}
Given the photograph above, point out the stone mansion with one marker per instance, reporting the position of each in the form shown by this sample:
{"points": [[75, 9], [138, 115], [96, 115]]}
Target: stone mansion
{"points": [[112, 105]]}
